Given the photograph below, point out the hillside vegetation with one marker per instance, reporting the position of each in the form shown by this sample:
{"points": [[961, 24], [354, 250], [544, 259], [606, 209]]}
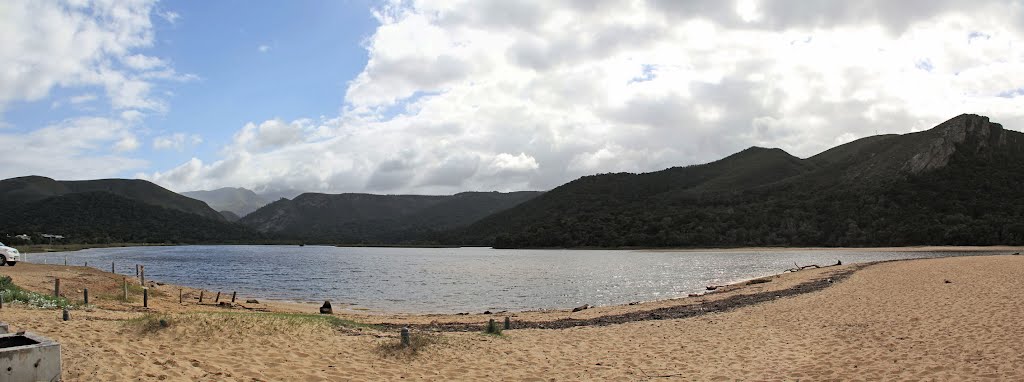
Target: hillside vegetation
{"points": [[956, 184]]}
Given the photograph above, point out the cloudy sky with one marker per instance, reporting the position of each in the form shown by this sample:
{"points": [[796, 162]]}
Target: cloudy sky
{"points": [[444, 96]]}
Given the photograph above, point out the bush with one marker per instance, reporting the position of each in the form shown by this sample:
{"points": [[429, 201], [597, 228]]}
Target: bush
{"points": [[13, 293]]}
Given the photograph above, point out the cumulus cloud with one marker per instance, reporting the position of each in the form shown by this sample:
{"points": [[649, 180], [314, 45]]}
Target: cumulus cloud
{"points": [[498, 95], [78, 148], [48, 44], [176, 141]]}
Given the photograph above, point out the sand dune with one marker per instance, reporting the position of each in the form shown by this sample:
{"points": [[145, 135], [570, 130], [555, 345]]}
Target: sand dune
{"points": [[895, 320]]}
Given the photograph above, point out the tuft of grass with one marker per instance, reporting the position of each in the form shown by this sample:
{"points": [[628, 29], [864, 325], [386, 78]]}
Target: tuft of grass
{"points": [[14, 294], [493, 328], [151, 323], [418, 342]]}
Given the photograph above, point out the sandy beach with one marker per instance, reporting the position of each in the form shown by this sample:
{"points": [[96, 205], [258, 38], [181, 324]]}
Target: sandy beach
{"points": [[951, 318]]}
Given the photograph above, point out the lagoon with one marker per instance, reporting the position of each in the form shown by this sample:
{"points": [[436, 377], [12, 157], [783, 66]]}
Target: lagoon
{"points": [[453, 280]]}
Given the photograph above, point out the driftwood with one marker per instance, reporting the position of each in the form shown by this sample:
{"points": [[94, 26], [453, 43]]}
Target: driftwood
{"points": [[798, 268]]}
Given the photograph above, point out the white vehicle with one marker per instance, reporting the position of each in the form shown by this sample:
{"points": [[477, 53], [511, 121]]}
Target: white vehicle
{"points": [[8, 255]]}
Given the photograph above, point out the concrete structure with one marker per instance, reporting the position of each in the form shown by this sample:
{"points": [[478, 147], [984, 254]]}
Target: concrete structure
{"points": [[28, 357], [4, 328]]}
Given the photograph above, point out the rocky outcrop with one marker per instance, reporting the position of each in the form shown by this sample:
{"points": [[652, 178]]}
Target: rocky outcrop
{"points": [[966, 131]]}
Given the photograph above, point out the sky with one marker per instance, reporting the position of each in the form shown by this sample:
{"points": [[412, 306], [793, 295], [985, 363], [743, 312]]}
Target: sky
{"points": [[439, 97]]}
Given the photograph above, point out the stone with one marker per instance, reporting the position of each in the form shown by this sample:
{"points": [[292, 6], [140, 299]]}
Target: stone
{"points": [[712, 287], [251, 301], [487, 312], [326, 309]]}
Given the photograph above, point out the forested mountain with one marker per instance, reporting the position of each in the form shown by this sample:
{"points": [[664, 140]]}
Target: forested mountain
{"points": [[377, 219], [958, 183], [238, 200], [105, 217], [18, 191]]}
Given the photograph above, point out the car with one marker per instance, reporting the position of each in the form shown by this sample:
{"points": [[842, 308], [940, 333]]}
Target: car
{"points": [[8, 255]]}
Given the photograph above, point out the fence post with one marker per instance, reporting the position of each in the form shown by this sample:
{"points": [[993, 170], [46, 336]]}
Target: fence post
{"points": [[56, 287], [145, 297], [406, 338], [125, 281], [142, 274], [85, 296], [233, 296]]}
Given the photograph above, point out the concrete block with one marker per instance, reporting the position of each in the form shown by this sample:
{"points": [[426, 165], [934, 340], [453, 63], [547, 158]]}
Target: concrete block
{"points": [[28, 357], [4, 328]]}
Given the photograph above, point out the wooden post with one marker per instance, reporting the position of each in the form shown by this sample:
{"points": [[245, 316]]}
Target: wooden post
{"points": [[142, 274], [406, 338], [65, 260], [56, 287], [233, 296], [508, 323], [125, 280], [217, 299], [492, 327], [86, 263], [145, 297], [200, 297], [136, 270], [65, 314], [85, 296], [179, 296], [112, 267]]}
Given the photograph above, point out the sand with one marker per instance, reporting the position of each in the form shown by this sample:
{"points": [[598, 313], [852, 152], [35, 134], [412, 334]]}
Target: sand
{"points": [[895, 320]]}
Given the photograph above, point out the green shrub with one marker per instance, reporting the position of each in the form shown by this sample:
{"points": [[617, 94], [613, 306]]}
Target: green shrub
{"points": [[14, 294]]}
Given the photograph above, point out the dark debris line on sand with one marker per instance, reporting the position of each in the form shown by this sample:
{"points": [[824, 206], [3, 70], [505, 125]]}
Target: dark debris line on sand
{"points": [[672, 312]]}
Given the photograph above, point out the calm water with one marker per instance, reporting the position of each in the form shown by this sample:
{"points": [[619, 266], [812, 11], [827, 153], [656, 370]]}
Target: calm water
{"points": [[446, 280]]}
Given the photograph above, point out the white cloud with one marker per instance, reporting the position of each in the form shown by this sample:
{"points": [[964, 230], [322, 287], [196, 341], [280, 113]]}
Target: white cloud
{"points": [[72, 149], [176, 141], [263, 48], [504, 95], [48, 44], [87, 97]]}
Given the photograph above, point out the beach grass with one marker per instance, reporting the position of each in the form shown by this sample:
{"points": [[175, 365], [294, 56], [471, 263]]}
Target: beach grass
{"points": [[13, 293], [418, 342], [240, 323]]}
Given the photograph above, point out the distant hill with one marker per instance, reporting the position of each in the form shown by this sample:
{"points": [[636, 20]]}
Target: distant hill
{"points": [[105, 217], [229, 216], [238, 200], [377, 219], [958, 183], [18, 191]]}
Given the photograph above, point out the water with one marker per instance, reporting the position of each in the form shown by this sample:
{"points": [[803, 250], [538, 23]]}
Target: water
{"points": [[449, 280]]}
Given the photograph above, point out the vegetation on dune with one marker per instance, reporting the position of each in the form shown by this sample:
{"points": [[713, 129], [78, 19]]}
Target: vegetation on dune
{"points": [[12, 293]]}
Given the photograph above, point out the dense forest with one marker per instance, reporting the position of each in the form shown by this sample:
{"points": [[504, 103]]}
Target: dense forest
{"points": [[103, 217], [377, 219], [958, 184]]}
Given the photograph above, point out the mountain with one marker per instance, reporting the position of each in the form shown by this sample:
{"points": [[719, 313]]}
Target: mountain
{"points": [[230, 216], [954, 184], [239, 200], [377, 219], [28, 189], [105, 217]]}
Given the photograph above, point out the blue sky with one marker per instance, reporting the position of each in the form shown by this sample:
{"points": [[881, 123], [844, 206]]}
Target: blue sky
{"points": [[255, 60], [439, 97]]}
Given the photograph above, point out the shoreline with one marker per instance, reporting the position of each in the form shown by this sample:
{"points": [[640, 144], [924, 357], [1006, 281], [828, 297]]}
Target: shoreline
{"points": [[45, 248], [358, 311], [894, 319]]}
